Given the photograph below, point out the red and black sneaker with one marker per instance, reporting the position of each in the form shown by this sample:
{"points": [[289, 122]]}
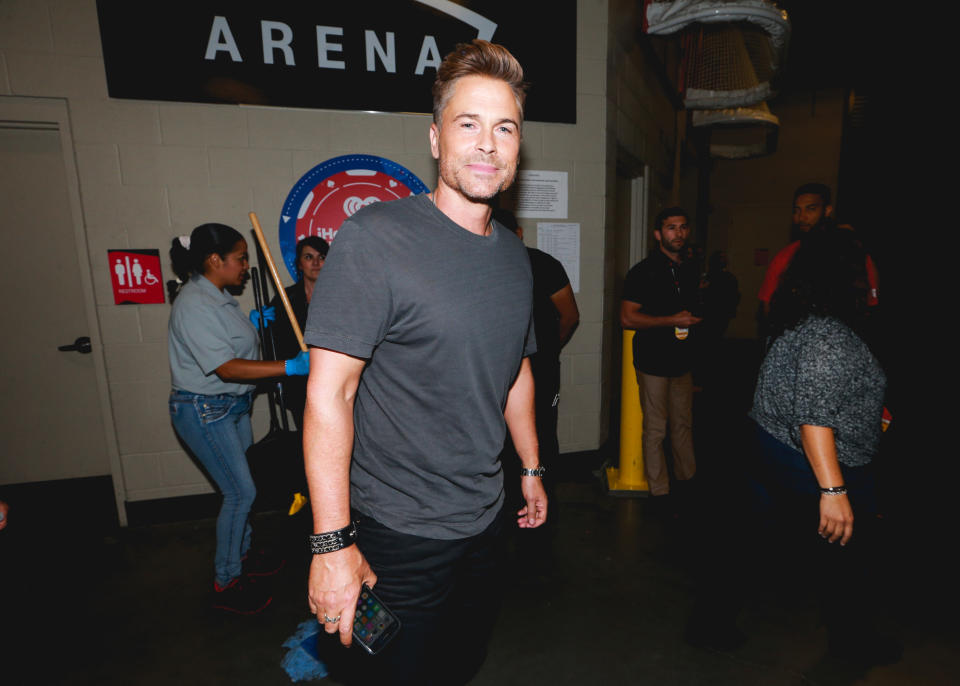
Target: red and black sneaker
{"points": [[241, 596], [262, 563]]}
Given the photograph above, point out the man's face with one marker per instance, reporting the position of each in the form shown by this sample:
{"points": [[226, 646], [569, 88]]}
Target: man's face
{"points": [[673, 234], [809, 211], [477, 143]]}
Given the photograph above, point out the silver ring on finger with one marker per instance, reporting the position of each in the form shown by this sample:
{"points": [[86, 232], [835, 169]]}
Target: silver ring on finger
{"points": [[330, 620]]}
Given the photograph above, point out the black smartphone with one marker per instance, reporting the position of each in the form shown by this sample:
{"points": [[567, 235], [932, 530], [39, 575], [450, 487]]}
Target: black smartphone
{"points": [[373, 623]]}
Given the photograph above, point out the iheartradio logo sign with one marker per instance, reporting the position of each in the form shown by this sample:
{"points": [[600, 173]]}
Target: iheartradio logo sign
{"points": [[334, 191], [353, 203]]}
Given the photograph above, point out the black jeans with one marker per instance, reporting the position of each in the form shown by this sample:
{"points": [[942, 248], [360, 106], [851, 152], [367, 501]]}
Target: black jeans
{"points": [[446, 594], [783, 511], [843, 575]]}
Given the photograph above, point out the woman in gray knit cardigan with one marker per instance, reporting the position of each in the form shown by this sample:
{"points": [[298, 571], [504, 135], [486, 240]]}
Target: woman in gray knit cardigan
{"points": [[818, 407]]}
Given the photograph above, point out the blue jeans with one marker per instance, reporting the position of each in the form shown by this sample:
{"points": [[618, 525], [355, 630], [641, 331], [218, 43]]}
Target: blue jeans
{"points": [[217, 430]]}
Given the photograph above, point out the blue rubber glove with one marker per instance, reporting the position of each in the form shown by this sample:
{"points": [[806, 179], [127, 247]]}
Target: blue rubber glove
{"points": [[299, 365], [269, 313]]}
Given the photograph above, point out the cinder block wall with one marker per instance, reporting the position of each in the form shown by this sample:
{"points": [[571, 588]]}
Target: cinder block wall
{"points": [[580, 150], [641, 130], [150, 171]]}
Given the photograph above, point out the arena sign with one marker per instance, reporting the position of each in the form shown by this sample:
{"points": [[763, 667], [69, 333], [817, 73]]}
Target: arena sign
{"points": [[333, 191], [379, 56]]}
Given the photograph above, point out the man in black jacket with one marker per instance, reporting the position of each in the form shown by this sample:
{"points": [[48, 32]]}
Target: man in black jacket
{"points": [[659, 295]]}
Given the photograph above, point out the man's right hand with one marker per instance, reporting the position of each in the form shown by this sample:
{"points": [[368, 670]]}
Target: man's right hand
{"points": [[334, 588], [684, 319]]}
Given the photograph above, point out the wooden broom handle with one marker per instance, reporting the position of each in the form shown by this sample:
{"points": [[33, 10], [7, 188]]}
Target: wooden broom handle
{"points": [[276, 280]]}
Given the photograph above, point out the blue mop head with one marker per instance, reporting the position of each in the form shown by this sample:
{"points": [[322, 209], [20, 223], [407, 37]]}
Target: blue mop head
{"points": [[302, 662]]}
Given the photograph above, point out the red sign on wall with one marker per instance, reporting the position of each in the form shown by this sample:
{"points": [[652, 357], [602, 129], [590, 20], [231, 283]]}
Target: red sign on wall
{"points": [[136, 277]]}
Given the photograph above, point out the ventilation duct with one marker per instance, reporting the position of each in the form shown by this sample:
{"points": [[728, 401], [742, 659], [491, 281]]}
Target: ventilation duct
{"points": [[731, 48], [741, 132]]}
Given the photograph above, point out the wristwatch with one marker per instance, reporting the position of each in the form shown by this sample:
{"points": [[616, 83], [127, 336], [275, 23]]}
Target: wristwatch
{"points": [[539, 471]]}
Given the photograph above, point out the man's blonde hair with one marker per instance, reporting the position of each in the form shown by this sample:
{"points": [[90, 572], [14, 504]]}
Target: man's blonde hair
{"points": [[477, 58]]}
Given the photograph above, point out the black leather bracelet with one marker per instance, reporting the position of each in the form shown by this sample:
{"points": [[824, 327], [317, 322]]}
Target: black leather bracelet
{"points": [[332, 541], [834, 490]]}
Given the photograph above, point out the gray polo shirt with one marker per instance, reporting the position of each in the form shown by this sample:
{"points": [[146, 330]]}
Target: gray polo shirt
{"points": [[207, 329]]}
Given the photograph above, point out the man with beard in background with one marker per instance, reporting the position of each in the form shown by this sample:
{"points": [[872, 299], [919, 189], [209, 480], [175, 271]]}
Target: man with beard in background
{"points": [[659, 296]]}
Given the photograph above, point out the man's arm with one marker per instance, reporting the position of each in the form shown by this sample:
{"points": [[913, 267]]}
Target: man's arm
{"points": [[771, 278], [336, 577], [566, 306], [767, 288], [521, 421], [632, 316]]}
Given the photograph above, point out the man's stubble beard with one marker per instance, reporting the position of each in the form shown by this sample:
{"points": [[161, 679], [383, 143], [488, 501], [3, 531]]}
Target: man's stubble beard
{"points": [[452, 179], [669, 248]]}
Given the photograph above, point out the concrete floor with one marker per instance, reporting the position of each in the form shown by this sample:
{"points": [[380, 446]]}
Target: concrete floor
{"points": [[80, 606], [130, 609]]}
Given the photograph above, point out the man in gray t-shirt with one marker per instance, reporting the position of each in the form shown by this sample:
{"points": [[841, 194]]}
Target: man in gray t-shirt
{"points": [[444, 316], [420, 364]]}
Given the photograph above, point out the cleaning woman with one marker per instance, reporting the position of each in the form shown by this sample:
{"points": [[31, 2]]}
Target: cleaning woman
{"points": [[213, 364]]}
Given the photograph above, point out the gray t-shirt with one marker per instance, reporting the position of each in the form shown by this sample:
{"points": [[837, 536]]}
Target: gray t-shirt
{"points": [[207, 329], [821, 373], [444, 317]]}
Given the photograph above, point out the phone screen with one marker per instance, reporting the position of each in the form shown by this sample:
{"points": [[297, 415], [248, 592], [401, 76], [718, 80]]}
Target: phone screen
{"points": [[373, 624]]}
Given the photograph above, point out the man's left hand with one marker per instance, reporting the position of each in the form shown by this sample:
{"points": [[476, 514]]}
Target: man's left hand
{"points": [[534, 513]]}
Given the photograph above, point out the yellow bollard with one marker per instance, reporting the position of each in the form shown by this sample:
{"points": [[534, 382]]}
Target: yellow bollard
{"points": [[629, 478], [299, 500]]}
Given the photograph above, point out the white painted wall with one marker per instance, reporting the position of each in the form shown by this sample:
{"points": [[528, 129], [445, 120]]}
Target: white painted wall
{"points": [[150, 171]]}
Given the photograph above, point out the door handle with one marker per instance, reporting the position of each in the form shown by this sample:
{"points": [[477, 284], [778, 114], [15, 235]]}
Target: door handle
{"points": [[81, 345]]}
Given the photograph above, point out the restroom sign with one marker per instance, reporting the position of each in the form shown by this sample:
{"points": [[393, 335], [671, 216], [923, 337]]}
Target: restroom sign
{"points": [[135, 276], [333, 191]]}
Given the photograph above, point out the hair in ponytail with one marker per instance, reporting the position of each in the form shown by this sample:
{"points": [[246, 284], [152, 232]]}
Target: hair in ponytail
{"points": [[188, 254]]}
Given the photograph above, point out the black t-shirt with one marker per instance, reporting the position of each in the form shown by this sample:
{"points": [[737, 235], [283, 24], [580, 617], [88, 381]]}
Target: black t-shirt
{"points": [[663, 287], [285, 341], [548, 278], [286, 345]]}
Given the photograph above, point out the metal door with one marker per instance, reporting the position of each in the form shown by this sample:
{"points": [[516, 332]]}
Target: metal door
{"points": [[51, 410]]}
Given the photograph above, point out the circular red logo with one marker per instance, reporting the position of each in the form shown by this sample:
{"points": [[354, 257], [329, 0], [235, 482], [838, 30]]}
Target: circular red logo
{"points": [[333, 191]]}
